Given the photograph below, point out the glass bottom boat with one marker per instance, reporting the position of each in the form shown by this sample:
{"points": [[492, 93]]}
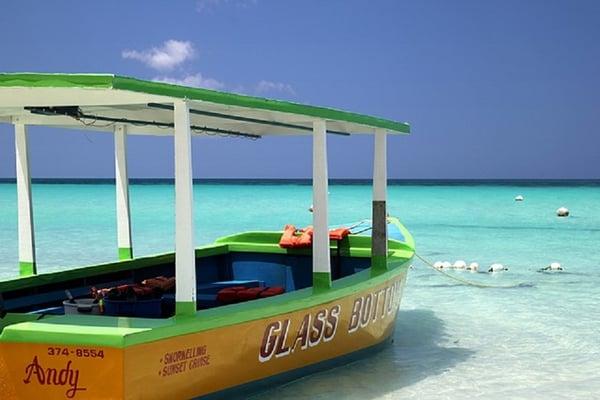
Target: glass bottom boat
{"points": [[213, 321]]}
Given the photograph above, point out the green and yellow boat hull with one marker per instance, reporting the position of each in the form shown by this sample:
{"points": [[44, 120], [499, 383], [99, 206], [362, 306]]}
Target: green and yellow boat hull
{"points": [[217, 352]]}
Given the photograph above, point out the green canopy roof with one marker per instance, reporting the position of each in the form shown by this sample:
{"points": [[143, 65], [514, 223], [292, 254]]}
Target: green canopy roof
{"points": [[88, 101]]}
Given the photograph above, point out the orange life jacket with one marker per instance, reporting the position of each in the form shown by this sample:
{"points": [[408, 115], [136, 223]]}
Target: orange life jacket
{"points": [[288, 239], [305, 240], [339, 233]]}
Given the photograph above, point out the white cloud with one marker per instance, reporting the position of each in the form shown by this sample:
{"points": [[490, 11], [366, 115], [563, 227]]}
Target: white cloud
{"points": [[166, 57], [206, 5], [270, 87], [173, 53], [196, 80]]}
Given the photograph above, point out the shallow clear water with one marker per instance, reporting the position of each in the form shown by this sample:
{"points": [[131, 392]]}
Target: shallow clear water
{"points": [[452, 341]]}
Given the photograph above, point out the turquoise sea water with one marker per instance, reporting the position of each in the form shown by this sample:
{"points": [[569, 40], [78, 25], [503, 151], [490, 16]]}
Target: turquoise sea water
{"points": [[540, 340]]}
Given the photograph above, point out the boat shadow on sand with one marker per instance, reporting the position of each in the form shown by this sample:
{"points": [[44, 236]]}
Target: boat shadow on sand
{"points": [[420, 350]]}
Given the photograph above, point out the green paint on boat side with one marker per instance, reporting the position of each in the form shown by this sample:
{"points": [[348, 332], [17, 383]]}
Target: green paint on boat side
{"points": [[122, 332], [27, 268], [379, 263], [356, 246], [15, 318], [84, 330], [183, 308], [125, 253], [408, 238], [101, 81], [321, 281]]}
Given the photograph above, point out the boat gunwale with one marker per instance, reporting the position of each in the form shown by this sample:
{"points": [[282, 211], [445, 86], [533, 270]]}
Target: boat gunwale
{"points": [[95, 332], [127, 331]]}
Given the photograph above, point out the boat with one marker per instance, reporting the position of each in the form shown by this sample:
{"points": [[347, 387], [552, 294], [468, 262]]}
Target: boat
{"points": [[307, 307]]}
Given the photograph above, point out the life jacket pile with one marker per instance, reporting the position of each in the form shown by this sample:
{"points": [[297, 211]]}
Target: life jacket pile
{"points": [[290, 240], [161, 283], [152, 288]]}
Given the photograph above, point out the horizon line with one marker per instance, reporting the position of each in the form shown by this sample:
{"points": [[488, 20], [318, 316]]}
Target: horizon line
{"points": [[304, 181]]}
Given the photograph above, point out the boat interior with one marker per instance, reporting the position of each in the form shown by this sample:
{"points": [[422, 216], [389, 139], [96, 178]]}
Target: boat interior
{"points": [[217, 268]]}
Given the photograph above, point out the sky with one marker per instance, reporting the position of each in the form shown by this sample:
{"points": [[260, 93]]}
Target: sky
{"points": [[492, 89]]}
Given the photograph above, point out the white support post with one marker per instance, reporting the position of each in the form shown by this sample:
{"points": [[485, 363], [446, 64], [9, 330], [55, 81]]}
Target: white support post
{"points": [[321, 255], [25, 210], [379, 240], [185, 256], [124, 242]]}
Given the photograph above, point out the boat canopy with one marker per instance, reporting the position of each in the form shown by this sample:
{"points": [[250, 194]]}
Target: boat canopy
{"points": [[99, 101], [125, 106]]}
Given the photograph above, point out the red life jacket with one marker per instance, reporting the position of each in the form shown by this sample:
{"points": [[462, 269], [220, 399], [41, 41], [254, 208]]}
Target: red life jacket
{"points": [[249, 293], [229, 295], [272, 291], [237, 294]]}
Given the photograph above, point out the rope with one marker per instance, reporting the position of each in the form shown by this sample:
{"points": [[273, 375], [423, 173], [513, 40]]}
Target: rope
{"points": [[447, 275], [464, 281], [361, 231], [358, 223]]}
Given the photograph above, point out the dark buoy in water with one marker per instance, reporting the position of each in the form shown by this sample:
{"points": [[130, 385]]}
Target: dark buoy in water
{"points": [[562, 212]]}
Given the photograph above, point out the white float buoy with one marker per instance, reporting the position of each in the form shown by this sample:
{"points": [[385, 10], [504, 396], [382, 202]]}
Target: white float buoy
{"points": [[555, 266], [460, 264], [473, 267], [438, 265], [562, 212], [519, 198], [552, 267], [497, 268], [446, 265]]}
